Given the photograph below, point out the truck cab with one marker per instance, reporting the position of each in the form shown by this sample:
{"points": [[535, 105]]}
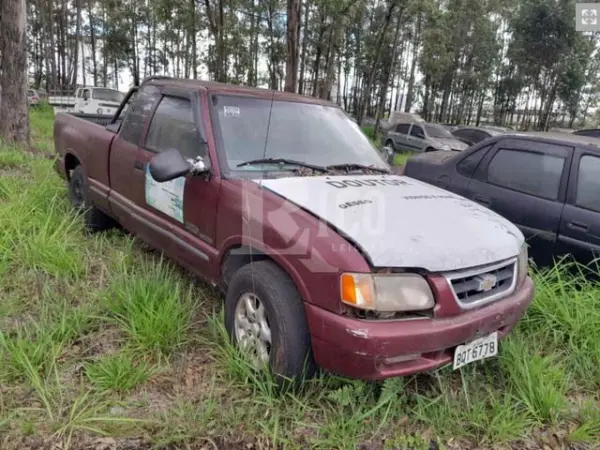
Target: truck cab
{"points": [[97, 100]]}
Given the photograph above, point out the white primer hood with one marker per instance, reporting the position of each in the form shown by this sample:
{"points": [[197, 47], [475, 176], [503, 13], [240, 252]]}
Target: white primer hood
{"points": [[402, 222]]}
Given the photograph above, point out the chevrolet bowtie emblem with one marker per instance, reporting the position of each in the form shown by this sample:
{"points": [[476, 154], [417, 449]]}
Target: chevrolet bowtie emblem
{"points": [[486, 282]]}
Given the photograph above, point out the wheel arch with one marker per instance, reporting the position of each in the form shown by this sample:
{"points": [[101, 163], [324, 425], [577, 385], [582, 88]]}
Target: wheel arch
{"points": [[71, 162], [239, 255]]}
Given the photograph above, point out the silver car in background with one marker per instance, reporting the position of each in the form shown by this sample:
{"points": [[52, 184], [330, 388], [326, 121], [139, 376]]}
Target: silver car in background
{"points": [[421, 137]]}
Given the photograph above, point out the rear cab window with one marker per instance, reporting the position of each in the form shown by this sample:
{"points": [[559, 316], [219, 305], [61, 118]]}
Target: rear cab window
{"points": [[138, 112]]}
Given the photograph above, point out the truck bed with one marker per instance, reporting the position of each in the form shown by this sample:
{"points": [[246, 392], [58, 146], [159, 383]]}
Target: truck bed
{"points": [[94, 118], [86, 137]]}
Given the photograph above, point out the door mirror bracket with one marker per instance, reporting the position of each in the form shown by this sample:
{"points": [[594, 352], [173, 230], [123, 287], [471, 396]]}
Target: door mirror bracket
{"points": [[198, 166]]}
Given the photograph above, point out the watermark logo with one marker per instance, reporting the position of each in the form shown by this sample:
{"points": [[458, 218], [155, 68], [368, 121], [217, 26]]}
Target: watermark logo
{"points": [[587, 16]]}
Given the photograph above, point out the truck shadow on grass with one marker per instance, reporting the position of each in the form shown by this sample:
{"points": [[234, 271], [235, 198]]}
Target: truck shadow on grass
{"points": [[104, 344]]}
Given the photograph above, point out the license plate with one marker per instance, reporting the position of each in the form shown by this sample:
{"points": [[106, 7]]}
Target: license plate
{"points": [[482, 348]]}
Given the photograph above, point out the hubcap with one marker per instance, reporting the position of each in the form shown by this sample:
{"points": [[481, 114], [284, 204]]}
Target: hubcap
{"points": [[252, 329]]}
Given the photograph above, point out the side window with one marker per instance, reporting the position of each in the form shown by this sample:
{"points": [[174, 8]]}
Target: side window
{"points": [[139, 110], [173, 126], [468, 165], [463, 134], [479, 136], [537, 174], [588, 183], [416, 131], [402, 128], [85, 94]]}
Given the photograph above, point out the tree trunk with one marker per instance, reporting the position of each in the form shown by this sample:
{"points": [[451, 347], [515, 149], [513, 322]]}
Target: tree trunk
{"points": [[194, 61], [367, 91], [293, 36], [332, 52], [319, 51], [14, 120], [304, 45], [410, 95], [388, 77], [480, 108], [77, 43]]}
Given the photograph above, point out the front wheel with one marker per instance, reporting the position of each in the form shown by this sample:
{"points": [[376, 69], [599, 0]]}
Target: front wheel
{"points": [[265, 318]]}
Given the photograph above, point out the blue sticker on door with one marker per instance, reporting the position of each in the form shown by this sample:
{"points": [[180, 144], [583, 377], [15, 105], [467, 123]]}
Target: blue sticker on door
{"points": [[166, 197]]}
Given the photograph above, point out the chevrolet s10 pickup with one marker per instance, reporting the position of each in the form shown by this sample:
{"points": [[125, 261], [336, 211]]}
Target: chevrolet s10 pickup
{"points": [[326, 258]]}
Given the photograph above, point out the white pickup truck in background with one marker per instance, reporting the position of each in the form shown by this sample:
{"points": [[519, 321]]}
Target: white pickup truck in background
{"points": [[89, 100]]}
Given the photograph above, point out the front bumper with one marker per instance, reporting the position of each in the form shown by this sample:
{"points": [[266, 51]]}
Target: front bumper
{"points": [[374, 350]]}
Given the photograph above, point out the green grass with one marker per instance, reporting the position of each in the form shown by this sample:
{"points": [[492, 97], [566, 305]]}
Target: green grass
{"points": [[102, 337], [120, 372]]}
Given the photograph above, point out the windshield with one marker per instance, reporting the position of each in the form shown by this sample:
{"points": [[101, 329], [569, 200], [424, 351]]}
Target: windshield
{"points": [[308, 133], [108, 95], [436, 131]]}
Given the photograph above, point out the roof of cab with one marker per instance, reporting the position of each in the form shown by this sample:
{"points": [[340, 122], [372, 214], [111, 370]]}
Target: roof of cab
{"points": [[556, 137], [234, 89]]}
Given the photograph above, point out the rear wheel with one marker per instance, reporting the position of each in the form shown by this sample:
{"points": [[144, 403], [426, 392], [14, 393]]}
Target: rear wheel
{"points": [[265, 318], [94, 219]]}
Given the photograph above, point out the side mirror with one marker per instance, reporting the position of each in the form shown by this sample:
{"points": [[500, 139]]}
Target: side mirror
{"points": [[168, 165]]}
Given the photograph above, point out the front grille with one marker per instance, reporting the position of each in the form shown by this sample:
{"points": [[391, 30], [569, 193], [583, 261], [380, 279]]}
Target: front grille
{"points": [[477, 286]]}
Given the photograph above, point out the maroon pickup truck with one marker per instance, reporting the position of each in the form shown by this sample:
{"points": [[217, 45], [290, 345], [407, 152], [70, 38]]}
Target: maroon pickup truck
{"points": [[326, 258]]}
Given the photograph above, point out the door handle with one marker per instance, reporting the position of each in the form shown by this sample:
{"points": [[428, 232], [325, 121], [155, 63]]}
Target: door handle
{"points": [[483, 200], [579, 226], [138, 165]]}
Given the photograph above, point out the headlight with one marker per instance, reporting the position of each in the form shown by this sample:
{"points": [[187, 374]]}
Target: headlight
{"points": [[386, 293], [522, 264], [445, 147]]}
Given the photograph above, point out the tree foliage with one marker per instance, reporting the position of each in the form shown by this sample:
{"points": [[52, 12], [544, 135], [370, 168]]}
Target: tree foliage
{"points": [[462, 61]]}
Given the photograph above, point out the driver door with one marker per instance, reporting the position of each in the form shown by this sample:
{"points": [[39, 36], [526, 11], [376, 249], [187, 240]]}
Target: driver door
{"points": [[417, 138], [180, 215]]}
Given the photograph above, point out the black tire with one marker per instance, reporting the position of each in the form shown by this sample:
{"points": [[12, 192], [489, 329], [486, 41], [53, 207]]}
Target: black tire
{"points": [[430, 149], [290, 355], [390, 143], [94, 219]]}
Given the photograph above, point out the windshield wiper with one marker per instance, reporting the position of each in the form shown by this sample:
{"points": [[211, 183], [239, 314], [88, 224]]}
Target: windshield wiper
{"points": [[354, 166], [283, 161]]}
